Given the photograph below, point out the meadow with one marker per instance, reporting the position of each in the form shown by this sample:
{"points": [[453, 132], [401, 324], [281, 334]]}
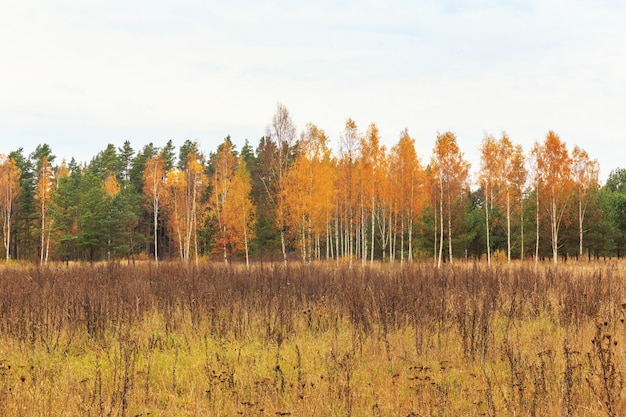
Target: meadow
{"points": [[313, 340]]}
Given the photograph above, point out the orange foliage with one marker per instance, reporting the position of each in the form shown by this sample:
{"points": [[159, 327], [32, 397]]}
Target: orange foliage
{"points": [[374, 174], [451, 172], [502, 176], [309, 192], [238, 212], [408, 188], [174, 206], [554, 184], [230, 204]]}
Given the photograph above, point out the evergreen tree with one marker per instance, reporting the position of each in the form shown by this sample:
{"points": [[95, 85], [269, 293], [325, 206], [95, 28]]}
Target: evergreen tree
{"points": [[168, 153], [126, 153], [267, 230], [187, 149], [247, 153], [23, 233], [93, 218], [64, 209], [137, 165]]}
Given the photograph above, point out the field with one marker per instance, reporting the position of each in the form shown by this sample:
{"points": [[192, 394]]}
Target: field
{"points": [[317, 340]]}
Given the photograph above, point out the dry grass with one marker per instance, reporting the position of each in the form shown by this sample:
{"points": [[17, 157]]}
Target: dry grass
{"points": [[115, 340]]}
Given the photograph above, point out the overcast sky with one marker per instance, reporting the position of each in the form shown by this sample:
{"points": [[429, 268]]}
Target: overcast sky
{"points": [[78, 75]]}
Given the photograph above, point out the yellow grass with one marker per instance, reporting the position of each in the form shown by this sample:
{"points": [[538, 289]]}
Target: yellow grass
{"points": [[312, 340]]}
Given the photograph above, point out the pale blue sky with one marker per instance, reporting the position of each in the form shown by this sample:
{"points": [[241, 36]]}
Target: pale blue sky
{"points": [[81, 74]]}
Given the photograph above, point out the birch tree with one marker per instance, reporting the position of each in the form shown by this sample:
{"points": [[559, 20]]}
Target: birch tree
{"points": [[554, 169], [585, 175], [374, 171], [224, 164], [9, 188], [310, 193], [409, 189], [488, 177], [513, 178], [43, 190], [347, 186], [239, 211], [196, 181], [153, 177], [173, 204], [451, 171], [280, 140]]}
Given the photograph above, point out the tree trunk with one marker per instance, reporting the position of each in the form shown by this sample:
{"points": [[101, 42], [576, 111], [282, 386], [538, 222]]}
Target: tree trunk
{"points": [[522, 256], [580, 226], [373, 230], [43, 229], [155, 204], [245, 236], [195, 233], [537, 221], [410, 255], [7, 229], [449, 225], [402, 239], [390, 235], [555, 233], [303, 252], [282, 245], [508, 224], [132, 244], [363, 237], [394, 240], [337, 233], [487, 224], [382, 228], [350, 234], [47, 246], [329, 242], [441, 222]]}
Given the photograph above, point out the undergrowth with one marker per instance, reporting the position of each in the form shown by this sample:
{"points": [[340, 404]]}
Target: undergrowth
{"points": [[313, 340]]}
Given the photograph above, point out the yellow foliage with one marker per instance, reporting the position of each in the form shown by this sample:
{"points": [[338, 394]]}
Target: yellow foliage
{"points": [[111, 185], [309, 193], [9, 189], [230, 203]]}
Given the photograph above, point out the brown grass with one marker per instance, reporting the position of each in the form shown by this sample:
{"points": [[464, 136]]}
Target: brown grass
{"points": [[117, 340]]}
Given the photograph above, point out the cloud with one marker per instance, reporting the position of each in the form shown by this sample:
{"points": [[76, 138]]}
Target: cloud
{"points": [[211, 67]]}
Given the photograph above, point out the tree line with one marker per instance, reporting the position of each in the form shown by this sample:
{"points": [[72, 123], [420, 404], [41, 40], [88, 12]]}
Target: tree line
{"points": [[293, 198]]}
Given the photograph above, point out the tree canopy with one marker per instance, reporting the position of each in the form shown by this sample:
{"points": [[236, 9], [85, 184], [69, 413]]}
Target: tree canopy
{"points": [[291, 196]]}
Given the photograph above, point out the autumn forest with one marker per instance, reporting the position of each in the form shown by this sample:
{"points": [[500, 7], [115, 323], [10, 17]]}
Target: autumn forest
{"points": [[299, 278], [293, 198]]}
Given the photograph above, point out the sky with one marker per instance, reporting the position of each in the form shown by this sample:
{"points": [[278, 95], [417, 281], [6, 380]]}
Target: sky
{"points": [[79, 75]]}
